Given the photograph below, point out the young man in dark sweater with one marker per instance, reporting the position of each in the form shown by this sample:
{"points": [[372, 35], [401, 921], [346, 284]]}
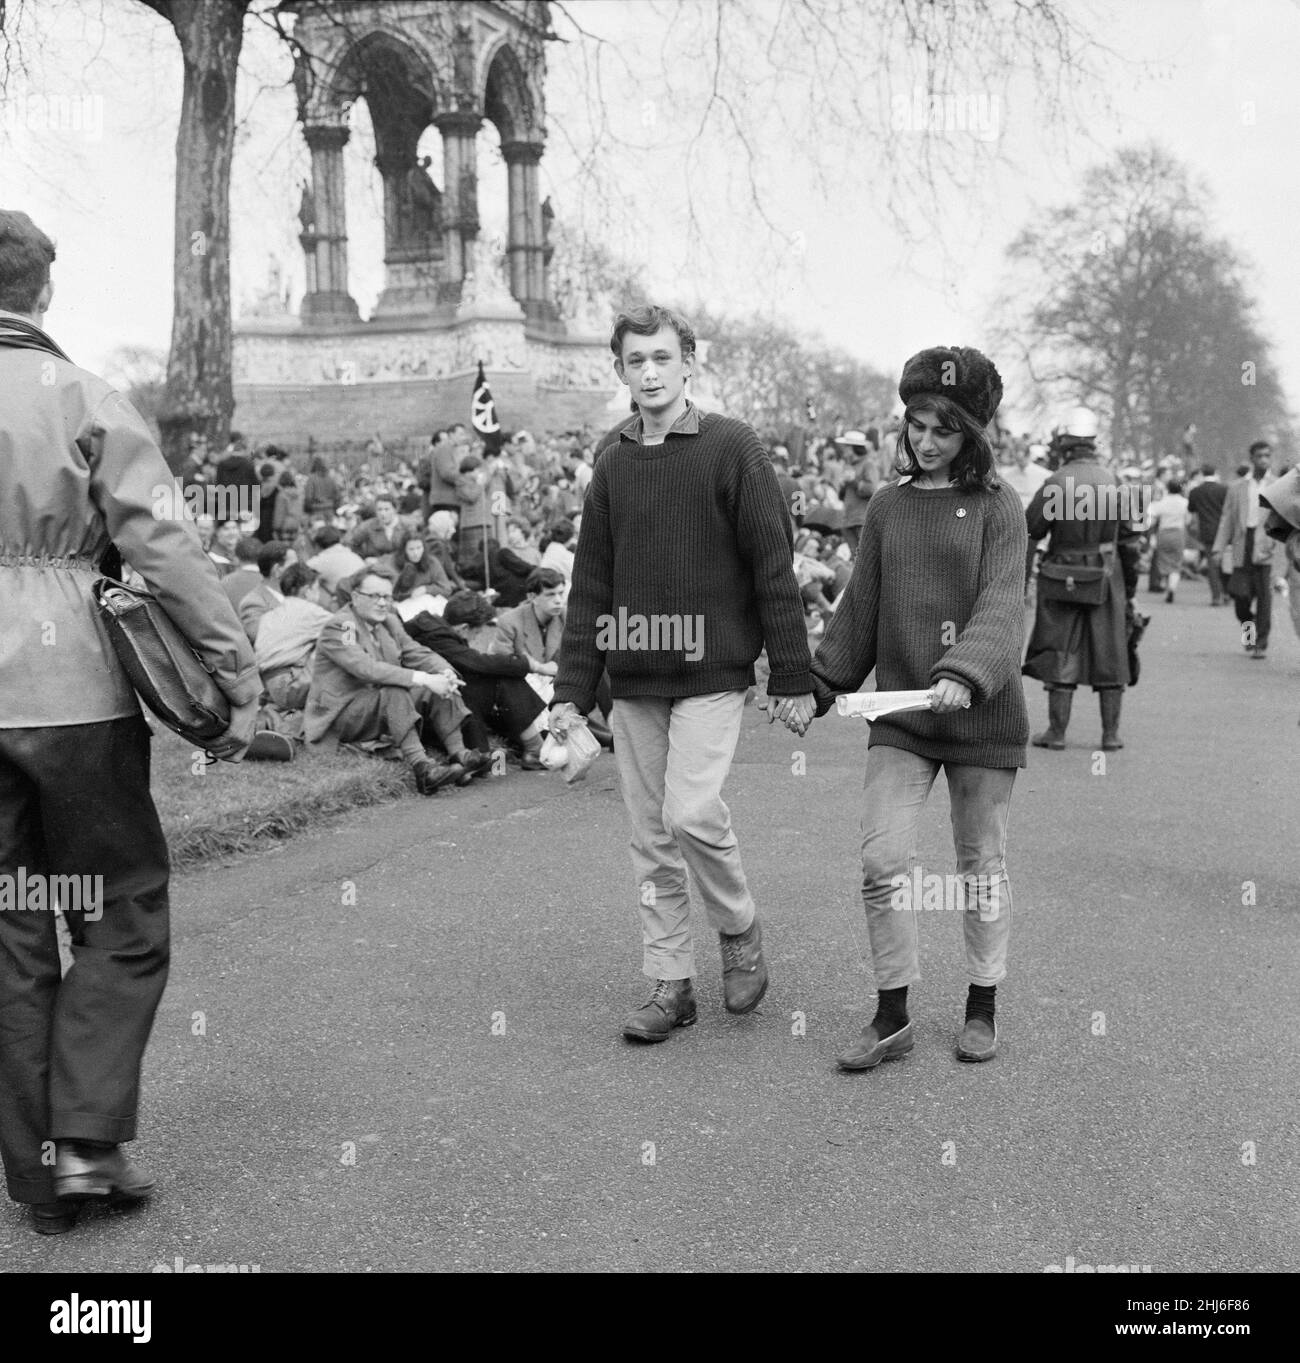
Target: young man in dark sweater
{"points": [[684, 571]]}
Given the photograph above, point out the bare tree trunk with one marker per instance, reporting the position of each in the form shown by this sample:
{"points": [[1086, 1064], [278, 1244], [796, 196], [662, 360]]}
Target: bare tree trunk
{"points": [[198, 396]]}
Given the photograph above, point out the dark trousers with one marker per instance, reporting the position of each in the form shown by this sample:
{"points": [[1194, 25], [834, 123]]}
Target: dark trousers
{"points": [[75, 801], [1257, 605], [507, 704]]}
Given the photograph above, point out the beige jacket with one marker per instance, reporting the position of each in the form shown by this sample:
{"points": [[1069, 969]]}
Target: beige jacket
{"points": [[78, 470], [1232, 524]]}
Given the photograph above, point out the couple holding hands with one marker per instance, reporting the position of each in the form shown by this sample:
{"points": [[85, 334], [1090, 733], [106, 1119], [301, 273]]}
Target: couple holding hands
{"points": [[684, 517]]}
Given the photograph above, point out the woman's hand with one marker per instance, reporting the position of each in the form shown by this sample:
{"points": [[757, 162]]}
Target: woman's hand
{"points": [[948, 695], [795, 712]]}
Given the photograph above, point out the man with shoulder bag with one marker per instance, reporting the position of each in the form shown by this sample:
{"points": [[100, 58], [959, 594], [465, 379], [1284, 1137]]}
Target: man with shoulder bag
{"points": [[81, 480]]}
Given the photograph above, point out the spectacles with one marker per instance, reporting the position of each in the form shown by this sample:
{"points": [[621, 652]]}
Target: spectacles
{"points": [[375, 596]]}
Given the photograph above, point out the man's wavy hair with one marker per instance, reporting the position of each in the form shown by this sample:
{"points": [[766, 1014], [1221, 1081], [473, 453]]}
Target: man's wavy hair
{"points": [[26, 255], [974, 469], [645, 321]]}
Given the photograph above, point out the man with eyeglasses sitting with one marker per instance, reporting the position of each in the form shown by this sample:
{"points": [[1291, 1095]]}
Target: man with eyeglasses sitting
{"points": [[371, 680]]}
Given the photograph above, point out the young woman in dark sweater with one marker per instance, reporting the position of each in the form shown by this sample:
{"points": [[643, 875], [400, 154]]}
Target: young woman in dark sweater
{"points": [[936, 602]]}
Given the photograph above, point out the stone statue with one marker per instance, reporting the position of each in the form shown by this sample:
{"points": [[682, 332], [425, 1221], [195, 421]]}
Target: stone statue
{"points": [[420, 206], [307, 209], [548, 220], [463, 65]]}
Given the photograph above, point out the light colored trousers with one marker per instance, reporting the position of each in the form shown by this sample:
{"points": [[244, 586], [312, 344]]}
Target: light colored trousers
{"points": [[895, 791], [673, 756]]}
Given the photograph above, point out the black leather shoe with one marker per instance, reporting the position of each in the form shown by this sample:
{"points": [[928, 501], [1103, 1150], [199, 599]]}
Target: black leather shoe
{"points": [[531, 762], [744, 972], [81, 1172], [473, 763], [870, 1049], [671, 1005], [54, 1218], [430, 776], [978, 1040]]}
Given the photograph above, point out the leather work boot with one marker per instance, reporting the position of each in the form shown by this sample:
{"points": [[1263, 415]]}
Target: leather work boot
{"points": [[671, 1005], [870, 1049], [473, 763], [1111, 701], [1058, 719], [80, 1171], [979, 1037], [54, 1218], [431, 776], [744, 972]]}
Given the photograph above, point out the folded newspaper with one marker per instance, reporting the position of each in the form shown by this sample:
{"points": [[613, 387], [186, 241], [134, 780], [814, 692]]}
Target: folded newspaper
{"points": [[871, 705]]}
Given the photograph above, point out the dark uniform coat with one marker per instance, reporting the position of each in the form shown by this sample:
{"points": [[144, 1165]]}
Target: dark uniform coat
{"points": [[1076, 644]]}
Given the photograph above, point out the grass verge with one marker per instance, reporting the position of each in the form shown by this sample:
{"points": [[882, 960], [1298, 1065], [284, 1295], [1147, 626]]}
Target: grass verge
{"points": [[212, 811]]}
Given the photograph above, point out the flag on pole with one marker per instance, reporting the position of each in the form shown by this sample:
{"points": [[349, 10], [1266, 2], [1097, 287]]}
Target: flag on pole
{"points": [[483, 411]]}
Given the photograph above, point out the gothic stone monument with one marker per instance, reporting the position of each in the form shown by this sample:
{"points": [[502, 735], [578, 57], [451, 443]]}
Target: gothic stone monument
{"points": [[448, 302]]}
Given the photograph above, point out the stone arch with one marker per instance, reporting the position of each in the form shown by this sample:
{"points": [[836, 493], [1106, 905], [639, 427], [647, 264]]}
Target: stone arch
{"points": [[508, 101], [399, 86]]}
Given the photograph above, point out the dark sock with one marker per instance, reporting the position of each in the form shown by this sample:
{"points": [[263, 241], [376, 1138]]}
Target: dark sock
{"points": [[891, 1012], [979, 1001]]}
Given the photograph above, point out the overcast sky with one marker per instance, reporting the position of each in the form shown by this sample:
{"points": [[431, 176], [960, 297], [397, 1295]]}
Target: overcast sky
{"points": [[1211, 80]]}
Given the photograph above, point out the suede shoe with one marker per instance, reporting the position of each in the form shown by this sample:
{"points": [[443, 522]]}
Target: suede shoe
{"points": [[978, 1040], [870, 1048], [744, 972], [430, 776], [531, 762], [54, 1218], [80, 1171], [671, 1005]]}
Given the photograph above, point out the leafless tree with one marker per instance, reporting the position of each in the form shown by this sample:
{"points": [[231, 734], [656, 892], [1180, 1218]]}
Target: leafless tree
{"points": [[1125, 300]]}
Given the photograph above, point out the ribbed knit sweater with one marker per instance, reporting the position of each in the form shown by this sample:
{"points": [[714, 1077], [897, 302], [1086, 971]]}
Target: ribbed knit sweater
{"points": [[694, 531], [937, 591]]}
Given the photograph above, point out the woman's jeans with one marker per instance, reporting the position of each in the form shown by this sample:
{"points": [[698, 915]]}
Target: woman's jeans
{"points": [[895, 893]]}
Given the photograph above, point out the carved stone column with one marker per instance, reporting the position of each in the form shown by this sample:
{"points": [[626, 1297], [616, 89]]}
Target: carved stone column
{"points": [[460, 191], [330, 300]]}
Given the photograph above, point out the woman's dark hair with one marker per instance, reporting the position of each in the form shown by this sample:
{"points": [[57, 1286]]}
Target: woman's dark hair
{"points": [[1174, 487], [419, 538], [974, 469], [560, 533], [318, 465]]}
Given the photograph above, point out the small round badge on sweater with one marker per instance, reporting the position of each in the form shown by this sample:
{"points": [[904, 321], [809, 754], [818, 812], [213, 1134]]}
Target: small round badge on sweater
{"points": [[961, 510]]}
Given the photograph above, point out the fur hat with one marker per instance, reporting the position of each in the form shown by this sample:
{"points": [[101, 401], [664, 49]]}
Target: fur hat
{"points": [[959, 373]]}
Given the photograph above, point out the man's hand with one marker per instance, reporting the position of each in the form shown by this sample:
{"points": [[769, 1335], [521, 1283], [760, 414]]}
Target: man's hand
{"points": [[795, 712], [233, 744], [949, 695], [440, 683], [542, 669], [561, 717]]}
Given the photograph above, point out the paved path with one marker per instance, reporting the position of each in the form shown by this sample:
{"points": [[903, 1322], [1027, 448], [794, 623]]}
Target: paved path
{"points": [[351, 1105]]}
